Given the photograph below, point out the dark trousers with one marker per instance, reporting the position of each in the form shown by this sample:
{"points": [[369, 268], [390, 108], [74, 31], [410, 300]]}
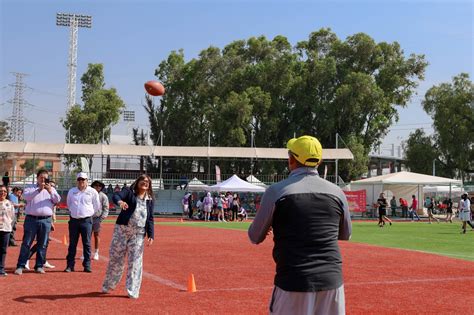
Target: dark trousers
{"points": [[12, 233], [39, 228], [34, 249], [235, 210], [82, 227], [4, 237], [404, 212]]}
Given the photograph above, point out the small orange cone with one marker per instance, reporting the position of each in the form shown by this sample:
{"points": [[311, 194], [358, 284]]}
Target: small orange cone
{"points": [[181, 220], [191, 284], [65, 240]]}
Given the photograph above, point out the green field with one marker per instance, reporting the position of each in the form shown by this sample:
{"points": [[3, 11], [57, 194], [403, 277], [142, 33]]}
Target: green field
{"points": [[443, 238]]}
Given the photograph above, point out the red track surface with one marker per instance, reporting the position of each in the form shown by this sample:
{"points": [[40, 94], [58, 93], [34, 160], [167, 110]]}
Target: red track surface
{"points": [[235, 277]]}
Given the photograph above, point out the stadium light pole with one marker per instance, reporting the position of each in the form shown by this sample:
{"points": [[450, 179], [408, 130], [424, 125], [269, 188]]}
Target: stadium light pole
{"points": [[73, 21]]}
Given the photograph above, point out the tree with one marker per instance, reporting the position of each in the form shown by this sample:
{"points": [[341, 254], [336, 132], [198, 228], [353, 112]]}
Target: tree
{"points": [[420, 151], [30, 166], [451, 106], [4, 136], [321, 86], [92, 122]]}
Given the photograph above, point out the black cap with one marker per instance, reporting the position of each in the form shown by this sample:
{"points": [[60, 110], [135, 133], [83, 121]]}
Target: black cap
{"points": [[96, 182]]}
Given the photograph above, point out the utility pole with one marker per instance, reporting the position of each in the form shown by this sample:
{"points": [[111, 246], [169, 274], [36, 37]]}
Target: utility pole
{"points": [[17, 119], [74, 21]]}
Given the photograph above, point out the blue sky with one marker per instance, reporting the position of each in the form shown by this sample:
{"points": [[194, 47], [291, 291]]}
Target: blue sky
{"points": [[132, 37]]}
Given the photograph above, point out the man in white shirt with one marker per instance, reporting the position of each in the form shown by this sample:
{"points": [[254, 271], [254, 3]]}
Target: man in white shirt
{"points": [[82, 201]]}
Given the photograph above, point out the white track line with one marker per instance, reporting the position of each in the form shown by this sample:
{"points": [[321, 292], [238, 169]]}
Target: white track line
{"points": [[148, 275], [408, 281]]}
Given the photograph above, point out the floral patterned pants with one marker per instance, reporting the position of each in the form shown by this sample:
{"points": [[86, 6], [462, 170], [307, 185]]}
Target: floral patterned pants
{"points": [[127, 240]]}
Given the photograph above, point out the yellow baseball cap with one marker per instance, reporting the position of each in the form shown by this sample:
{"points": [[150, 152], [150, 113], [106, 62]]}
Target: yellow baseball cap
{"points": [[306, 149]]}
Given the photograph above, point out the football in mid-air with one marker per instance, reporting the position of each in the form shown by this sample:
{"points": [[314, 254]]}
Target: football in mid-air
{"points": [[154, 88]]}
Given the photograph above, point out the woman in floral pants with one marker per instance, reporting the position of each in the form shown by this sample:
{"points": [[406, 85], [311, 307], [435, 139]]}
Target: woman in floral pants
{"points": [[134, 221]]}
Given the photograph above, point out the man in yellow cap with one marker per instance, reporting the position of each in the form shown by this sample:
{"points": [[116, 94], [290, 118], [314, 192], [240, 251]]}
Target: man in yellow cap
{"points": [[307, 215]]}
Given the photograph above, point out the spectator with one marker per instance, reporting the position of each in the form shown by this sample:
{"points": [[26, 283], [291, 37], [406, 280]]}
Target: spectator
{"points": [[235, 206], [242, 215], [413, 208], [465, 212], [117, 188], [99, 216], [185, 205], [135, 220], [429, 204], [449, 209], [7, 215], [393, 206], [41, 200], [6, 180], [82, 201], [15, 198], [308, 215], [404, 205], [208, 202], [34, 248]]}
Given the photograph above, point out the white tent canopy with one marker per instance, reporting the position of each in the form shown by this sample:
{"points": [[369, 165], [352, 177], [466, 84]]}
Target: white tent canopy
{"points": [[443, 189], [408, 178], [400, 185], [235, 184], [255, 181], [196, 185]]}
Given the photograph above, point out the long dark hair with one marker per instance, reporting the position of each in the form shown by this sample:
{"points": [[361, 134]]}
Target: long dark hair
{"points": [[134, 186]]}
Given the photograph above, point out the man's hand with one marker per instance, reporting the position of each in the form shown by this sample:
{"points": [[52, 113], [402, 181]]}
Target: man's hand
{"points": [[150, 242], [48, 187]]}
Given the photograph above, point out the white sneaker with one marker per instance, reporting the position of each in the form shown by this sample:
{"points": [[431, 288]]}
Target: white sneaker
{"points": [[27, 265], [48, 265], [96, 256]]}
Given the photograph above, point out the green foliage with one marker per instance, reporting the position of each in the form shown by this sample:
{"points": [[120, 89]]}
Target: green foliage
{"points": [[4, 136], [92, 122], [322, 86], [420, 152], [451, 106], [30, 166]]}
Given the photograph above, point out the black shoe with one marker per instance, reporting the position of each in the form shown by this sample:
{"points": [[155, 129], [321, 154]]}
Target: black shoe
{"points": [[87, 269], [69, 269]]}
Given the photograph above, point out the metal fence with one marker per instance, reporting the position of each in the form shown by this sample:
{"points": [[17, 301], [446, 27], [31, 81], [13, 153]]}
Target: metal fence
{"points": [[66, 179]]}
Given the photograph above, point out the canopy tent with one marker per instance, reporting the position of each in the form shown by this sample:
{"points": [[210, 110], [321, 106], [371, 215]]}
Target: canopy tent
{"points": [[255, 181], [235, 184], [443, 190], [400, 185], [196, 185]]}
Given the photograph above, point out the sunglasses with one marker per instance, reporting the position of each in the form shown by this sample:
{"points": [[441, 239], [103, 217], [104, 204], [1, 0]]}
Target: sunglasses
{"points": [[80, 179]]}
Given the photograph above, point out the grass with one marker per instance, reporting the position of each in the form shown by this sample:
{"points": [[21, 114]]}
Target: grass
{"points": [[442, 239]]}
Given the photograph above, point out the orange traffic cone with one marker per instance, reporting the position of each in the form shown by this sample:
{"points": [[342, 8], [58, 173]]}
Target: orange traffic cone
{"points": [[181, 220], [65, 240], [191, 284]]}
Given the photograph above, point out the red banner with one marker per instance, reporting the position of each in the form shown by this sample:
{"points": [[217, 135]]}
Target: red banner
{"points": [[356, 200]]}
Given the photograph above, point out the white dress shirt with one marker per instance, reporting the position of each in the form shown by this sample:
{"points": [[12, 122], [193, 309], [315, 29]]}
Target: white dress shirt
{"points": [[83, 204]]}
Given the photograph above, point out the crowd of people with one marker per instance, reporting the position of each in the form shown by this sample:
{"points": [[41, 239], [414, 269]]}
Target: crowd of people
{"points": [[220, 207], [432, 207], [88, 206]]}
